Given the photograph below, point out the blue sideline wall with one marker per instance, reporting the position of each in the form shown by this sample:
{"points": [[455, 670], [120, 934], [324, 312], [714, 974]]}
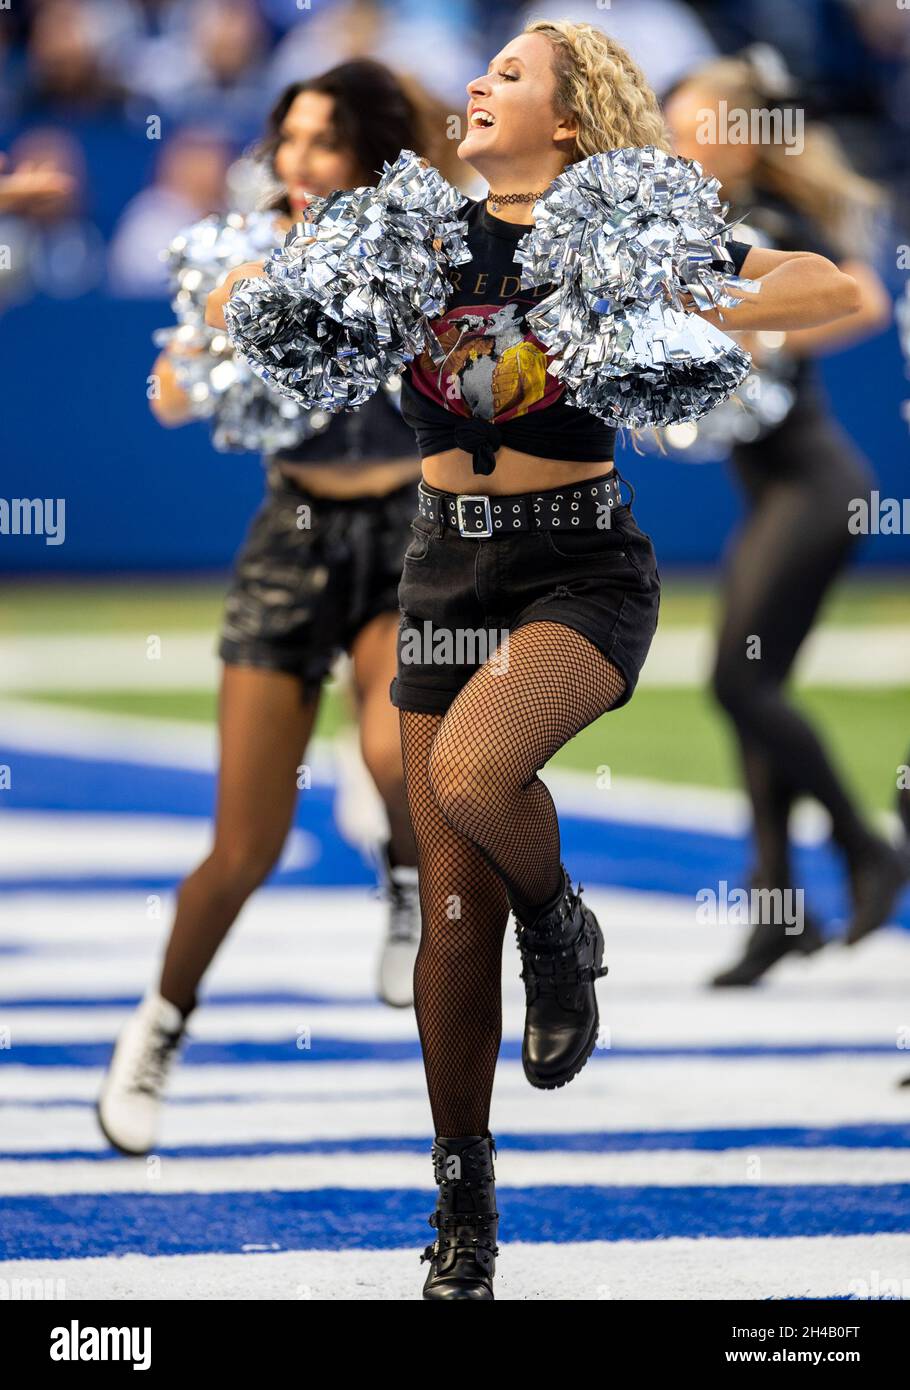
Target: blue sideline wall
{"points": [[75, 423]]}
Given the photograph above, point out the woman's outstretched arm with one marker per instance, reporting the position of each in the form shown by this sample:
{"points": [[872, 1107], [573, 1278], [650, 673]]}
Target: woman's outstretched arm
{"points": [[799, 289], [873, 316]]}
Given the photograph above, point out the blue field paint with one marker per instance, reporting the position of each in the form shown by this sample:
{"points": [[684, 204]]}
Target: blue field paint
{"points": [[631, 856], [869, 1136], [105, 786], [78, 1225], [248, 999], [56, 783], [258, 1052]]}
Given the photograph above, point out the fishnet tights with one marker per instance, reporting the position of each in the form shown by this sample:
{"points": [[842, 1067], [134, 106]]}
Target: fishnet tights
{"points": [[484, 824]]}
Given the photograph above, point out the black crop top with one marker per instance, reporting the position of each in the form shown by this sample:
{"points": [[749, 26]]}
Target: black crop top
{"points": [[493, 388], [372, 431]]}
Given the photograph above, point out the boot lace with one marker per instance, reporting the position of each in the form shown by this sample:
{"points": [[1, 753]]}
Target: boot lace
{"points": [[404, 916], [150, 1068]]}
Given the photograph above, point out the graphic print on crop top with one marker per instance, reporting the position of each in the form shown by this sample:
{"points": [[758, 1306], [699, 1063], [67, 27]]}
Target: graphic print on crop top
{"points": [[495, 368]]}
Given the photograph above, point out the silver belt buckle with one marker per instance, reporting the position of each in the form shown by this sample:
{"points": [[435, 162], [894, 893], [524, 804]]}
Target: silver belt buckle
{"points": [[474, 497]]}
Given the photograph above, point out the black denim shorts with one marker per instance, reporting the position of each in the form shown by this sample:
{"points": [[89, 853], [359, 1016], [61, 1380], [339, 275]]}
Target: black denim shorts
{"points": [[312, 572], [454, 590]]}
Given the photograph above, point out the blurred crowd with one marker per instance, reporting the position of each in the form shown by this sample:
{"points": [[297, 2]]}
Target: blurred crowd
{"points": [[123, 120]]}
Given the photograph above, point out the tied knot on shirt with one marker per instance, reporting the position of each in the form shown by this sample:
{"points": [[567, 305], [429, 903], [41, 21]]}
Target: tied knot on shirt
{"points": [[481, 439]]}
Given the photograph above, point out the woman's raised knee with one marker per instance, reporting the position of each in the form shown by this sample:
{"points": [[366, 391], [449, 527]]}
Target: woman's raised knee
{"points": [[467, 780]]}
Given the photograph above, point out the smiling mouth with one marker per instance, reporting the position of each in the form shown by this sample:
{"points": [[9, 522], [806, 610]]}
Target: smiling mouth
{"points": [[481, 120]]}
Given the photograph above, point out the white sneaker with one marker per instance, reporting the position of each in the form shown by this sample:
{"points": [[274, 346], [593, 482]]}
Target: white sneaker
{"points": [[130, 1100], [402, 942]]}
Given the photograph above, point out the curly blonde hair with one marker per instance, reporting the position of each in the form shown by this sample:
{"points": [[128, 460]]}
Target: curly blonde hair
{"points": [[603, 88]]}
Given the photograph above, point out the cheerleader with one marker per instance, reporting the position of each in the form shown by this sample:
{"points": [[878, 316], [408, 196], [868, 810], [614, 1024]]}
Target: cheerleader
{"points": [[510, 542], [299, 596], [798, 479]]}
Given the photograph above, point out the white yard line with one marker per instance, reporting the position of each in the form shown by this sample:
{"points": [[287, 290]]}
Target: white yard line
{"points": [[680, 656], [372, 1171], [348, 1101], [41, 845], [680, 1268]]}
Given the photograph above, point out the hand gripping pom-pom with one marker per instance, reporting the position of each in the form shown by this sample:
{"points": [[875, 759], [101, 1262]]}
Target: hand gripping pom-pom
{"points": [[346, 303], [630, 239], [244, 414]]}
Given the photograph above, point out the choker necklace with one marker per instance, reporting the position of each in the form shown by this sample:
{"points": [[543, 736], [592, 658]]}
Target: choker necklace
{"points": [[497, 199]]}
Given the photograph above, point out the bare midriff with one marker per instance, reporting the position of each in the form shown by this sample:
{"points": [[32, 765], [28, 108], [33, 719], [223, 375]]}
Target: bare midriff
{"points": [[344, 478], [514, 472]]}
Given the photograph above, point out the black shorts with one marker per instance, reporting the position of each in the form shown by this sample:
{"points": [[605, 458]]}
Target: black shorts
{"points": [[312, 572], [456, 589]]}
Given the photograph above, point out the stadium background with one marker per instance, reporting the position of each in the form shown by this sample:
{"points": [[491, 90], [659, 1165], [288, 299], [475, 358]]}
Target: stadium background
{"points": [[111, 752]]}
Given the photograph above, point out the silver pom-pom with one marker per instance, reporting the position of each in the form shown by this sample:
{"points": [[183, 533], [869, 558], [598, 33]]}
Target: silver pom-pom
{"points": [[345, 304], [244, 413], [199, 257], [632, 239], [757, 407]]}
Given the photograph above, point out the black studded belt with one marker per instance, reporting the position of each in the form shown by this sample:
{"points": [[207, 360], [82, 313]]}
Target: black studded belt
{"points": [[578, 506]]}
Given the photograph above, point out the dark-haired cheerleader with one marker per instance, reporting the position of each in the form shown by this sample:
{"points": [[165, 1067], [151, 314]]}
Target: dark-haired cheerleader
{"points": [[300, 595]]}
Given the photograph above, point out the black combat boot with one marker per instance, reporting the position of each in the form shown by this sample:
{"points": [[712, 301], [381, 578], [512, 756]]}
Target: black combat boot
{"points": [[562, 949], [463, 1256], [877, 878], [768, 943]]}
